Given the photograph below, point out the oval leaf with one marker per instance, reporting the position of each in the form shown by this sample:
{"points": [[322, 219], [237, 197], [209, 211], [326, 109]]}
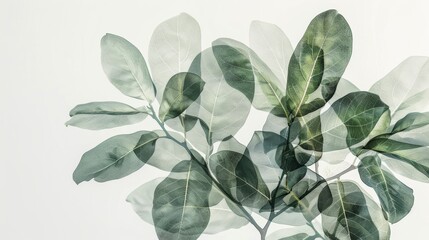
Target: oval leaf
{"points": [[360, 113], [102, 115], [318, 62], [396, 198], [115, 157], [240, 178], [181, 91], [236, 67], [352, 215], [126, 68], [181, 203]]}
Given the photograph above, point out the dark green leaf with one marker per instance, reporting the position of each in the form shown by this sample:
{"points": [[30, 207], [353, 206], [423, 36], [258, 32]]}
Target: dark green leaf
{"points": [[318, 62], [236, 68], [396, 198], [352, 215], [181, 91], [181, 203], [115, 157], [126, 68], [240, 178], [360, 112], [102, 115]]}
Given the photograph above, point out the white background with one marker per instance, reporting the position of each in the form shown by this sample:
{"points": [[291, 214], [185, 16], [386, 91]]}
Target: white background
{"points": [[49, 62]]}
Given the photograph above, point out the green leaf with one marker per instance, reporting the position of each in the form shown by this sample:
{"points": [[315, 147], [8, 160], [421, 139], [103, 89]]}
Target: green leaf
{"points": [[102, 115], [116, 157], [273, 47], [360, 112], [412, 154], [181, 91], [396, 198], [268, 92], [318, 62], [126, 68], [263, 150], [240, 178], [411, 121], [181, 203], [405, 88], [218, 101], [352, 215], [236, 67], [173, 46], [303, 192]]}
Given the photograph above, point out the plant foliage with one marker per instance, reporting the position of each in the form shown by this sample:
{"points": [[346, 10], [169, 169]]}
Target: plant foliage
{"points": [[313, 116]]}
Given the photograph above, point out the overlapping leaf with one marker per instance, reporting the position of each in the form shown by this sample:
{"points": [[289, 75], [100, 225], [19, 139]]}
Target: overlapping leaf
{"points": [[181, 91], [395, 197], [240, 178], [116, 157], [218, 100], [360, 112], [353, 215], [318, 62], [173, 46], [181, 202]]}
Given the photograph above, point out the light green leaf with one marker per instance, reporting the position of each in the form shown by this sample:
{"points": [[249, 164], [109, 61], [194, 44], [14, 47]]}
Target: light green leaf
{"points": [[116, 157], [181, 203], [411, 121], [412, 154], [126, 68], [352, 215], [318, 62], [360, 112], [273, 47], [218, 101], [236, 67], [264, 152], [396, 198], [405, 88], [240, 178], [181, 91], [173, 46], [102, 115]]}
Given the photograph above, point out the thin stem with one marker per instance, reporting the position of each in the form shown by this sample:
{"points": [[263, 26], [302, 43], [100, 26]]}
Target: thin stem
{"points": [[351, 168]]}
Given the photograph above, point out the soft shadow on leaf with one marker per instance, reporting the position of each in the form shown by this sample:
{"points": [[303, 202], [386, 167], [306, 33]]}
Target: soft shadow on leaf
{"points": [[181, 91], [353, 215], [181, 202], [240, 178], [116, 158], [218, 100], [173, 46]]}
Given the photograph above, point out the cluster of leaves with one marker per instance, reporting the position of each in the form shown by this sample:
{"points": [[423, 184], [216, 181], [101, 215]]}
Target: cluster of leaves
{"points": [[314, 116]]}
